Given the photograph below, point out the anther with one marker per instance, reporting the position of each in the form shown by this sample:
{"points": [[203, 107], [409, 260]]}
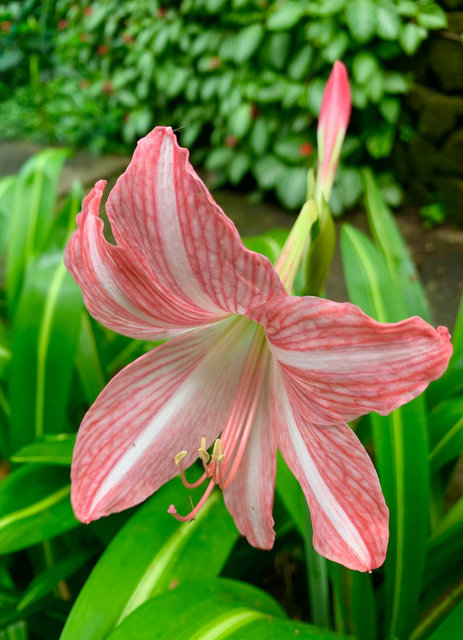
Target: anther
{"points": [[189, 485], [217, 454], [202, 452], [179, 457]]}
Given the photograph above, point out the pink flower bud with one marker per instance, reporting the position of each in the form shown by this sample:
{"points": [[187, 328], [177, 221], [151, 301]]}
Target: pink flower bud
{"points": [[332, 124]]}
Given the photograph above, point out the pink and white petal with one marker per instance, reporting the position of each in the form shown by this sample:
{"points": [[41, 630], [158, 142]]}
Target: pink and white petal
{"points": [[348, 512], [118, 290], [162, 403], [162, 211], [337, 363], [249, 497]]}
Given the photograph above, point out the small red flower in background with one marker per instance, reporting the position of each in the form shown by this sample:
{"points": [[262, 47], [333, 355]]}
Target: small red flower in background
{"points": [[214, 62], [108, 87], [255, 111], [161, 12], [231, 141], [88, 11], [102, 49], [306, 148], [62, 24], [84, 37]]}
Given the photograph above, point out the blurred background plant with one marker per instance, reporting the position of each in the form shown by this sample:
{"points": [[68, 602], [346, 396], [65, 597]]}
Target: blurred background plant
{"points": [[242, 80]]}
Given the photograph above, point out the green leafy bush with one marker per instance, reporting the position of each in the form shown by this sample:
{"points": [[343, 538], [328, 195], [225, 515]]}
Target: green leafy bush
{"points": [[243, 77]]}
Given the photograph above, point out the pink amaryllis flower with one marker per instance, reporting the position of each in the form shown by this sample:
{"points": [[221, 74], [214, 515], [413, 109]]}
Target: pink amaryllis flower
{"points": [[247, 369]]}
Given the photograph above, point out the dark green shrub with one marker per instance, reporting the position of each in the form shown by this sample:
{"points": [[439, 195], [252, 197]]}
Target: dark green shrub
{"points": [[241, 77]]}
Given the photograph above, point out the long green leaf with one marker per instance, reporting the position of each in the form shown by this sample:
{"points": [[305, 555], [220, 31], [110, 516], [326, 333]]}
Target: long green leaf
{"points": [[400, 445], [15, 631], [89, 366], [44, 582], [446, 432], [291, 495], [368, 279], [7, 191], [295, 504], [451, 383], [32, 215], [151, 554], [395, 251], [214, 610], [401, 454], [34, 506], [364, 612], [451, 628], [446, 546], [56, 450], [44, 347]]}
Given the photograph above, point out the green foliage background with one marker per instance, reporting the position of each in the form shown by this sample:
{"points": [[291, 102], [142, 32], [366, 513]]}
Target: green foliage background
{"points": [[243, 78]]}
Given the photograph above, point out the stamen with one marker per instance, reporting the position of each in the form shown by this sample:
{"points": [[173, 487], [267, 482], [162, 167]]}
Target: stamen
{"points": [[203, 453], [189, 485], [217, 451], [179, 457], [173, 511], [192, 485], [219, 474]]}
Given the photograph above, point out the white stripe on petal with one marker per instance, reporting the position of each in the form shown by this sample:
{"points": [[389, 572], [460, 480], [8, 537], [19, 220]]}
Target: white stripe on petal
{"points": [[170, 231], [249, 497], [339, 363]]}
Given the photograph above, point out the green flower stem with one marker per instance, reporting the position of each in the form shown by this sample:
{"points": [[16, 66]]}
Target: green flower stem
{"points": [[317, 580]]}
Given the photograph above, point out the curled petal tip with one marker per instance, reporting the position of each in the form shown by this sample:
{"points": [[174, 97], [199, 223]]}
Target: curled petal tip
{"points": [[81, 514], [447, 348]]}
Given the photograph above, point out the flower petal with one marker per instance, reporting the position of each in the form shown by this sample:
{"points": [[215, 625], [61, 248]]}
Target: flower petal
{"points": [[118, 290], [162, 403], [349, 515], [337, 363], [249, 497], [161, 210]]}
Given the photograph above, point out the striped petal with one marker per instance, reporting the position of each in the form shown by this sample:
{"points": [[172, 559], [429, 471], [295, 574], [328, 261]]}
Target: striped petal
{"points": [[249, 498], [162, 211], [348, 512], [337, 363], [162, 403], [118, 289]]}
